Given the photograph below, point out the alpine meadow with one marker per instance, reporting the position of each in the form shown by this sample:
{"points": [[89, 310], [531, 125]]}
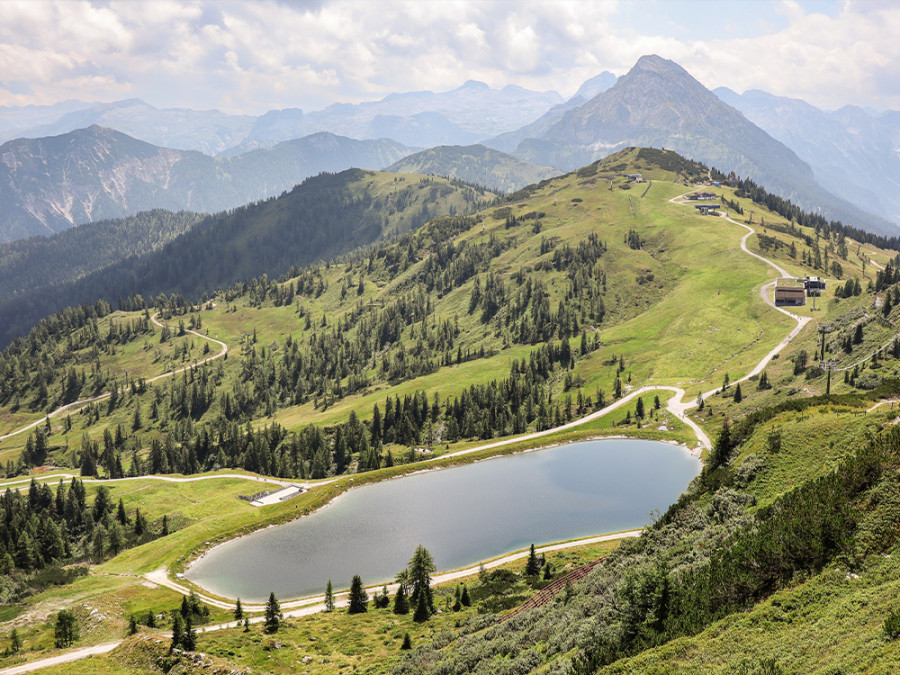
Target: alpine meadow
{"points": [[516, 383]]}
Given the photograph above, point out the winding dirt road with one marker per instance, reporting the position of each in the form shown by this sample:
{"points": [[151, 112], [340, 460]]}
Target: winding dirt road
{"points": [[81, 403]]}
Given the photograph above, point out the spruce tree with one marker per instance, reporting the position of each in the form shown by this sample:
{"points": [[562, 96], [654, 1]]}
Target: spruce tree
{"points": [[273, 614], [422, 613], [329, 597], [15, 642], [401, 603], [238, 610], [738, 397], [359, 600], [66, 628], [151, 619], [420, 568], [464, 596], [177, 630], [189, 638], [132, 625], [407, 643], [532, 567]]}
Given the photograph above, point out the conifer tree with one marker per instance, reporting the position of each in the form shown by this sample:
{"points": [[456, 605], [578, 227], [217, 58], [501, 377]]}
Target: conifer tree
{"points": [[422, 612], [189, 638], [238, 610], [15, 642], [738, 397], [177, 630], [401, 602], [532, 567], [329, 597], [273, 614], [420, 568], [359, 600], [407, 643]]}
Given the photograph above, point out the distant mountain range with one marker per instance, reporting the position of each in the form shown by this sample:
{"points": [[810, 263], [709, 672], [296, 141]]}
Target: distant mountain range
{"points": [[49, 184], [475, 164], [658, 104], [421, 119], [845, 163], [853, 154]]}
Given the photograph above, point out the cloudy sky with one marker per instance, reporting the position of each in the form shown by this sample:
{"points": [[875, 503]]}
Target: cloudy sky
{"points": [[257, 55]]}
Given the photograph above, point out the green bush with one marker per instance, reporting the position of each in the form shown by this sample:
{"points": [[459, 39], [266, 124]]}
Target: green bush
{"points": [[892, 625]]}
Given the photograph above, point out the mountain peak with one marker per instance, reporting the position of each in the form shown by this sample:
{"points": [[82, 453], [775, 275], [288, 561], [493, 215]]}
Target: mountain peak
{"points": [[474, 84], [656, 64]]}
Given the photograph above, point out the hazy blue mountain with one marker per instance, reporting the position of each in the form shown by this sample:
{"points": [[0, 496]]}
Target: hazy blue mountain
{"points": [[15, 120], [658, 104], [509, 141], [418, 119], [49, 184], [208, 131], [853, 154], [475, 164], [595, 85]]}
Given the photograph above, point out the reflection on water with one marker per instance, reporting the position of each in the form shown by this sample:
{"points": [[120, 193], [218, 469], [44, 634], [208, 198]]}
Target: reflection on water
{"points": [[462, 515]]}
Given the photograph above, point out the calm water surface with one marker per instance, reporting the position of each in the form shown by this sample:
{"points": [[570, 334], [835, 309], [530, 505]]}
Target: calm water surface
{"points": [[462, 515]]}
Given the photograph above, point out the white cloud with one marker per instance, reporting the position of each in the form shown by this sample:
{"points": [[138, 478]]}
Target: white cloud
{"points": [[252, 56]]}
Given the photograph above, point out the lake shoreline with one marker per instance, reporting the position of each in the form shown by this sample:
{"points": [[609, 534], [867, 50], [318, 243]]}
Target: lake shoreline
{"points": [[204, 554]]}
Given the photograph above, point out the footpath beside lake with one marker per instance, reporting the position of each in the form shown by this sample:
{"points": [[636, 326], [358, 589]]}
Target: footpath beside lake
{"points": [[462, 515]]}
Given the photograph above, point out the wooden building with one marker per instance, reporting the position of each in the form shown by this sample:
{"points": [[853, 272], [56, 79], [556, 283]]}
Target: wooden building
{"points": [[790, 292]]}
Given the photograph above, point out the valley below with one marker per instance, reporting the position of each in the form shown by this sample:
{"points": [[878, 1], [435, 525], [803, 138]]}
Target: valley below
{"points": [[593, 305]]}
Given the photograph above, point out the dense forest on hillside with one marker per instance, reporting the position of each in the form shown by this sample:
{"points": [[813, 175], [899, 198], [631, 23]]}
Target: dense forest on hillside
{"points": [[28, 264], [323, 217]]}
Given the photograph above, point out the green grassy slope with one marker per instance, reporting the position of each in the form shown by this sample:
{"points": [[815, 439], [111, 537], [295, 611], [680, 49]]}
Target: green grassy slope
{"points": [[680, 306]]}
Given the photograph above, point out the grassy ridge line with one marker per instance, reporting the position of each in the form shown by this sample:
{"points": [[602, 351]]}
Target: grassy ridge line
{"points": [[77, 405]]}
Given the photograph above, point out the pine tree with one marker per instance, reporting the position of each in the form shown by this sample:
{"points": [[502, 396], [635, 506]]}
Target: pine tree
{"points": [[151, 619], [359, 600], [238, 610], [422, 613], [329, 597], [722, 447], [420, 568], [66, 629], [738, 397], [273, 614], [189, 638], [457, 602], [401, 602], [132, 625], [532, 567], [177, 630], [15, 642], [140, 525], [639, 408], [407, 643], [464, 596]]}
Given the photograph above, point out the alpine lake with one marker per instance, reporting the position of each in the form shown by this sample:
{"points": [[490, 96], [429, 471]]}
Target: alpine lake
{"points": [[462, 515]]}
